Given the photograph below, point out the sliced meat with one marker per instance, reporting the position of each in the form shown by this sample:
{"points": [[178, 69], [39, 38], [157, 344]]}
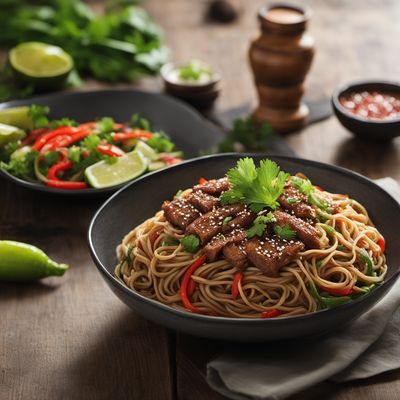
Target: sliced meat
{"points": [[296, 203], [213, 248], [214, 186], [271, 254], [304, 230], [242, 220], [180, 212], [210, 224], [202, 201], [235, 254]]}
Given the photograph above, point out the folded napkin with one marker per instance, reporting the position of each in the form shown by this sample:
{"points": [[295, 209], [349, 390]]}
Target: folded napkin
{"points": [[367, 347]]}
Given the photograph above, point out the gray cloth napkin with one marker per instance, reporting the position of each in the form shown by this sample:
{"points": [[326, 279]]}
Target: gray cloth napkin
{"points": [[367, 347]]}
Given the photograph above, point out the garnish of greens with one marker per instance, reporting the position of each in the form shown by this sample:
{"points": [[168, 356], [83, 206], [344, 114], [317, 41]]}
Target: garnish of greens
{"points": [[122, 44], [64, 154], [246, 134], [259, 225], [258, 187], [284, 232], [191, 243], [195, 71]]}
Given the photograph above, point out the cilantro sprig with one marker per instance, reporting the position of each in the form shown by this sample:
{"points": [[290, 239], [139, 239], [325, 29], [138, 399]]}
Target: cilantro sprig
{"points": [[259, 225], [284, 232], [257, 187], [191, 243]]}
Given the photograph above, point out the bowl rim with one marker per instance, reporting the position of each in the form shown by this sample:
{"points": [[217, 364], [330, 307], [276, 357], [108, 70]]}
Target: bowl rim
{"points": [[340, 90], [230, 320], [302, 9]]}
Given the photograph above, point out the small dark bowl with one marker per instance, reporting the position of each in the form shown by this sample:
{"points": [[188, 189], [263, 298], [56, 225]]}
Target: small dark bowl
{"points": [[376, 130], [198, 95], [142, 198]]}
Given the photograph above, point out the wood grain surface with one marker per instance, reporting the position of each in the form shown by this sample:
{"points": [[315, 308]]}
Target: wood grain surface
{"points": [[70, 337]]}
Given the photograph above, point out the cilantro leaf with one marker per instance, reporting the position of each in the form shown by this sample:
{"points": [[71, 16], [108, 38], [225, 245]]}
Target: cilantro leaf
{"points": [[259, 225], [304, 185], [91, 142], [226, 220], [51, 157], [38, 115], [191, 243], [105, 125], [284, 232], [138, 122], [56, 123], [258, 187], [170, 241], [293, 200], [161, 143]]}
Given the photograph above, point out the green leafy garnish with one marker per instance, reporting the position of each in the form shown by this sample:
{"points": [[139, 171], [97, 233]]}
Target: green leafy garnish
{"points": [[293, 200], [194, 71], [138, 122], [161, 143], [74, 154], [284, 232], [191, 243], [51, 157], [248, 134], [105, 125], [258, 187], [21, 167], [341, 248], [226, 220], [91, 142], [259, 225], [56, 123], [38, 115], [319, 203], [303, 185], [178, 194]]}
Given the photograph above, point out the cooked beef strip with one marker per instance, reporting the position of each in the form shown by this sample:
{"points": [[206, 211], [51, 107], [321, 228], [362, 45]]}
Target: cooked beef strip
{"points": [[202, 201], [213, 248], [301, 208], [304, 231], [180, 212], [271, 254], [213, 187], [242, 220], [210, 224], [235, 254]]}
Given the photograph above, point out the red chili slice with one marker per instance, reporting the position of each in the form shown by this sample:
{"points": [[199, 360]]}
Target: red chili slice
{"points": [[271, 313], [110, 150], [338, 292], [235, 285], [381, 243]]}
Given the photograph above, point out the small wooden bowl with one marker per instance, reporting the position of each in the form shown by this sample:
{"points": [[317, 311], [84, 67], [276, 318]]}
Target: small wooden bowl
{"points": [[371, 129], [199, 95]]}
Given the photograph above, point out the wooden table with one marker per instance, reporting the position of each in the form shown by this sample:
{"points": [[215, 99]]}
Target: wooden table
{"points": [[71, 338]]}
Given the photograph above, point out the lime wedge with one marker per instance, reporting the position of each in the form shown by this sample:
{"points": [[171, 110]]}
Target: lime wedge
{"points": [[10, 133], [147, 151], [40, 63], [127, 167], [16, 116]]}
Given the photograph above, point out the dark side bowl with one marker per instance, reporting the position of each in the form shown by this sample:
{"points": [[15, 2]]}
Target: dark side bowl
{"points": [[376, 130], [143, 198]]}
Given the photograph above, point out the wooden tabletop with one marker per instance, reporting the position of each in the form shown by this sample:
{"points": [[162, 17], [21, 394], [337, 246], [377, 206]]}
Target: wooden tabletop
{"points": [[70, 337]]}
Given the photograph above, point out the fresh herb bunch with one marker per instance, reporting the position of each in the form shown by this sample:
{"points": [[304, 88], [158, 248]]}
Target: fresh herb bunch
{"points": [[258, 187], [121, 45], [248, 134]]}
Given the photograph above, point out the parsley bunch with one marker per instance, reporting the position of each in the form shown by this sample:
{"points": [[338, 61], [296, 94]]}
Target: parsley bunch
{"points": [[257, 187]]}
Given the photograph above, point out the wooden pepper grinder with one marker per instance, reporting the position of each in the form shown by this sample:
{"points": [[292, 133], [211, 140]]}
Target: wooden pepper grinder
{"points": [[280, 59]]}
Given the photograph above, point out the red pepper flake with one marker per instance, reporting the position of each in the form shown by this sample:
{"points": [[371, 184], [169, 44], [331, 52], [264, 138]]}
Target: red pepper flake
{"points": [[235, 285], [271, 313], [183, 291]]}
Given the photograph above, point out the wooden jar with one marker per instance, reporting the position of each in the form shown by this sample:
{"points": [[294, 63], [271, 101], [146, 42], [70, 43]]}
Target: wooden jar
{"points": [[280, 59]]}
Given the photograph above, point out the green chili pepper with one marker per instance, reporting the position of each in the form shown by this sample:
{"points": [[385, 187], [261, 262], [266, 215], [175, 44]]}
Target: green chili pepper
{"points": [[328, 302], [366, 258], [21, 262]]}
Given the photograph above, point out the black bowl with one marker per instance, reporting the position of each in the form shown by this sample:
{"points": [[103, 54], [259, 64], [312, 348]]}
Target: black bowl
{"points": [[142, 198], [187, 128], [376, 130]]}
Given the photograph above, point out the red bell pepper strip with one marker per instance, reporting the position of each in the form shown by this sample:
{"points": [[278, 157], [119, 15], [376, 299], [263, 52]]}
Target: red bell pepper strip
{"points": [[235, 285], [43, 139], [33, 135], [338, 292], [136, 134], [191, 287], [110, 150], [154, 236], [76, 137], [63, 165], [66, 184], [202, 181], [271, 313], [381, 243], [183, 291]]}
